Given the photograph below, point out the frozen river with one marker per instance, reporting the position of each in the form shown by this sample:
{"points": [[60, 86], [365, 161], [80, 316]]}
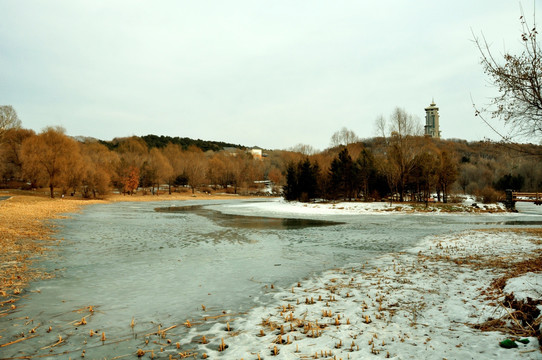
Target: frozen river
{"points": [[158, 263]]}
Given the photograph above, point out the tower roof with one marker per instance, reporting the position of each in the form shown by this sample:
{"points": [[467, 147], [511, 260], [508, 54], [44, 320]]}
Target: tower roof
{"points": [[433, 106]]}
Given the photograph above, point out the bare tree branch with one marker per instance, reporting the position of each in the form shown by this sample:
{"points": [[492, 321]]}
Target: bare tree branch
{"points": [[517, 77], [8, 119]]}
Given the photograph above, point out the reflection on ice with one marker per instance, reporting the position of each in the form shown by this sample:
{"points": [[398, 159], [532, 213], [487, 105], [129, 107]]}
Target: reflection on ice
{"points": [[248, 222]]}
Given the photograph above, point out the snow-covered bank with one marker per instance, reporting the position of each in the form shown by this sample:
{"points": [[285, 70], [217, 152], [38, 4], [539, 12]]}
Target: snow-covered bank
{"points": [[427, 302], [280, 206]]}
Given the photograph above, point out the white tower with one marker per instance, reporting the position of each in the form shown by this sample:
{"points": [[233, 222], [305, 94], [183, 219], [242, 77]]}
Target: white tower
{"points": [[432, 128]]}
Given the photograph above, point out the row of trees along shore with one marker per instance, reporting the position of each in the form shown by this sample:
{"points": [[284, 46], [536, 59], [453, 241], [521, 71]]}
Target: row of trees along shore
{"points": [[400, 164]]}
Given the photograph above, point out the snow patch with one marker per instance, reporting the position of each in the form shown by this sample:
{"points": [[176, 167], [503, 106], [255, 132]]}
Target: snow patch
{"points": [[526, 286]]}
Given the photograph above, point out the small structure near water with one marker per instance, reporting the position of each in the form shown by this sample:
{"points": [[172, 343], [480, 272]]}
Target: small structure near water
{"points": [[513, 196]]}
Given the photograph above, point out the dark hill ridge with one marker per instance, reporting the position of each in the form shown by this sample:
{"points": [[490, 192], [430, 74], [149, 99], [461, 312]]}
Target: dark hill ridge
{"points": [[155, 141]]}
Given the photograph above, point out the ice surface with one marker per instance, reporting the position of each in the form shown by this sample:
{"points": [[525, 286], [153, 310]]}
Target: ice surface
{"points": [[128, 262]]}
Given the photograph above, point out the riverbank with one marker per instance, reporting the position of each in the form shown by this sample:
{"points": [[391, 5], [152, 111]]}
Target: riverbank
{"points": [[24, 237], [280, 206], [25, 232]]}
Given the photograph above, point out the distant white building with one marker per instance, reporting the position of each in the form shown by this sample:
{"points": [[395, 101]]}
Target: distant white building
{"points": [[256, 153], [432, 128]]}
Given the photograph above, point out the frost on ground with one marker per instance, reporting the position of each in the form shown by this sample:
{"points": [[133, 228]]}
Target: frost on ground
{"points": [[445, 299], [281, 206]]}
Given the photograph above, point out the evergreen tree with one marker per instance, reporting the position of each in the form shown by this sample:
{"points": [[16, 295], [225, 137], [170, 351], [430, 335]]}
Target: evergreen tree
{"points": [[291, 189], [335, 179], [307, 180], [367, 173], [509, 181], [344, 175], [302, 181]]}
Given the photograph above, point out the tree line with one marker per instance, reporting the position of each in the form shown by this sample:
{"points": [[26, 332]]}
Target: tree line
{"points": [[403, 165], [89, 168], [399, 164]]}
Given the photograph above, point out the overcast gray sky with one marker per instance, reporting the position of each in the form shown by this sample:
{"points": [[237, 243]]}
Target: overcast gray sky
{"points": [[266, 73]]}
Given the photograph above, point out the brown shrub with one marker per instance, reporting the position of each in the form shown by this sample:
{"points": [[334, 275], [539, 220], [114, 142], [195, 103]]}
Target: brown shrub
{"points": [[488, 195]]}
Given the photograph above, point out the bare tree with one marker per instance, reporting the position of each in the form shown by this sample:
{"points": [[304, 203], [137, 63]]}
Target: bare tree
{"points": [[403, 125], [402, 148], [276, 176], [217, 171], [173, 152], [424, 174], [391, 172], [8, 119], [304, 149], [447, 173], [381, 126], [100, 166], [343, 137], [133, 152], [158, 169], [10, 153], [195, 167], [518, 77], [238, 168]]}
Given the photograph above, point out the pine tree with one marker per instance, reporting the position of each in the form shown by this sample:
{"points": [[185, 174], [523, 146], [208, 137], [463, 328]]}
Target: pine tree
{"points": [[291, 188], [302, 181], [344, 175]]}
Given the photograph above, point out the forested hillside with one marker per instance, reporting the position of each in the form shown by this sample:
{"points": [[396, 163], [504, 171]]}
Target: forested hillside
{"points": [[155, 141], [406, 166]]}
